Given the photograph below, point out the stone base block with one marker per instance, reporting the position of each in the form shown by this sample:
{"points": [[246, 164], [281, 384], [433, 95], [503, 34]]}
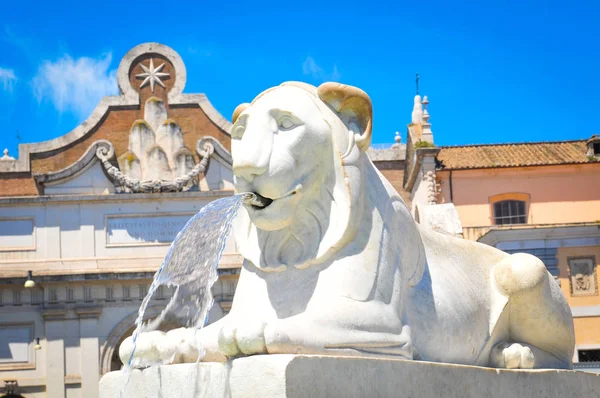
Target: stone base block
{"points": [[266, 376]]}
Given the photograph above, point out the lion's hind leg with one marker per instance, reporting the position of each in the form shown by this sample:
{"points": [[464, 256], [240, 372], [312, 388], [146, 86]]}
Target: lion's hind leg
{"points": [[540, 325]]}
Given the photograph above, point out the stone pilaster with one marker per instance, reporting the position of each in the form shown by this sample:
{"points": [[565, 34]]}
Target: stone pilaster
{"points": [[55, 352], [90, 350]]}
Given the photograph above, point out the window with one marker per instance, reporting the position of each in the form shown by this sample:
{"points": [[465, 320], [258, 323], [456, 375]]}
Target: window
{"points": [[593, 147], [126, 293], [16, 342], [70, 295], [87, 293], [589, 355], [508, 212], [36, 297], [16, 297], [109, 294], [53, 295], [143, 291]]}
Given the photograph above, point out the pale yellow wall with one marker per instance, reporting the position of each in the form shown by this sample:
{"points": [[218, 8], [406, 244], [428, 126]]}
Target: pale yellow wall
{"points": [[587, 331], [563, 266], [558, 194]]}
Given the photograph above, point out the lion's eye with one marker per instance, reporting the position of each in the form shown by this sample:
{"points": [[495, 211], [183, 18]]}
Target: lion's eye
{"points": [[286, 123]]}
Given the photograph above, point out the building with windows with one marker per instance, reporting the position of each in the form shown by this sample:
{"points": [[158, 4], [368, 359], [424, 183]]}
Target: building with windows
{"points": [[541, 198], [91, 215], [86, 220]]}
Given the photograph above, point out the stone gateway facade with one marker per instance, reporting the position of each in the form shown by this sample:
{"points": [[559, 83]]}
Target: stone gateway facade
{"points": [[92, 213]]}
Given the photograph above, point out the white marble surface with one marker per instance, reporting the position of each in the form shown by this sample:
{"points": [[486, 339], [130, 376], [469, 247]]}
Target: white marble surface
{"points": [[267, 376], [336, 265], [442, 218], [156, 147]]}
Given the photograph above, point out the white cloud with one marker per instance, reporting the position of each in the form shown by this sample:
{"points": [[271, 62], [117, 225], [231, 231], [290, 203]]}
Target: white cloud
{"points": [[310, 67], [75, 85], [335, 75], [7, 79]]}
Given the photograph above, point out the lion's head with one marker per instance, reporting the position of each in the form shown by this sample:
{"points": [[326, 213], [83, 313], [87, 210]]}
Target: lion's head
{"points": [[300, 148]]}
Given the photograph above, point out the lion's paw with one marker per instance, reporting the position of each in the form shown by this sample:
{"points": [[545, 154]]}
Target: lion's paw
{"points": [[176, 346], [512, 356], [248, 339]]}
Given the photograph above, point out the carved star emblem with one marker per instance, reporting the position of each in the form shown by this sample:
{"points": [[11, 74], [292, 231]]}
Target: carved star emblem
{"points": [[152, 75]]}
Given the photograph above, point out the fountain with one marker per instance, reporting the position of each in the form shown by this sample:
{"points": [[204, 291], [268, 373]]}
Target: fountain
{"points": [[341, 292], [191, 266]]}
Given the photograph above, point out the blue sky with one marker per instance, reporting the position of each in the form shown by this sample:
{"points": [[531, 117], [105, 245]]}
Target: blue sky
{"points": [[511, 71]]}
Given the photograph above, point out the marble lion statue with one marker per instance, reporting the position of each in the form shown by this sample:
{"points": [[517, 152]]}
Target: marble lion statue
{"points": [[334, 263]]}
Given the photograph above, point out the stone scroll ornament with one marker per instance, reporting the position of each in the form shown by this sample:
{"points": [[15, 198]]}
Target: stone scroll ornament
{"points": [[157, 159], [105, 152]]}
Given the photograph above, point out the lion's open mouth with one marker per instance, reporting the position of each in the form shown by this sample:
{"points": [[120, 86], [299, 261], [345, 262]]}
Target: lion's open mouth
{"points": [[256, 200], [259, 201]]}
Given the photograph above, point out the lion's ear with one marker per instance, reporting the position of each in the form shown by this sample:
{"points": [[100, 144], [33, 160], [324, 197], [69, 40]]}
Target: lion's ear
{"points": [[351, 101], [238, 110]]}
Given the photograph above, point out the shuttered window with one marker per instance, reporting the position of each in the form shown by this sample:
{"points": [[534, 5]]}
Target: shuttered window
{"points": [[508, 212]]}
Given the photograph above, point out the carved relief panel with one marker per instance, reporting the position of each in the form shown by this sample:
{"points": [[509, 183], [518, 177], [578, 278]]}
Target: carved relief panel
{"points": [[582, 276]]}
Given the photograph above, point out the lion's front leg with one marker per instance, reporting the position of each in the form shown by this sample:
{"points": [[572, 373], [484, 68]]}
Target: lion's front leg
{"points": [[242, 338], [183, 345], [360, 329], [297, 335]]}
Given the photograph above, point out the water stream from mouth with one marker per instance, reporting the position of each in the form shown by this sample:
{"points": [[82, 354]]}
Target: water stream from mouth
{"points": [[191, 266]]}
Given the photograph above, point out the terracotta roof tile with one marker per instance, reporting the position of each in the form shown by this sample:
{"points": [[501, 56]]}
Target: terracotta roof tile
{"points": [[513, 155]]}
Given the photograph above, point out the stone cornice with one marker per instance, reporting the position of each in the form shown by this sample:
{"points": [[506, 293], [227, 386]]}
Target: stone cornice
{"points": [[62, 276], [540, 232], [51, 270], [207, 107], [79, 165], [415, 164], [88, 312], [585, 311], [55, 314], [34, 200], [22, 164], [396, 152], [129, 97]]}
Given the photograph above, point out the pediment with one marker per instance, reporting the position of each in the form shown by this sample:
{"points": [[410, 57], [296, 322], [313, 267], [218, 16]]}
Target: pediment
{"points": [[150, 113], [89, 181]]}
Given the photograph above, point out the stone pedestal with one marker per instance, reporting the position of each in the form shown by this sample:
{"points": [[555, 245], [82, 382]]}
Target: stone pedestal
{"points": [[265, 376]]}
